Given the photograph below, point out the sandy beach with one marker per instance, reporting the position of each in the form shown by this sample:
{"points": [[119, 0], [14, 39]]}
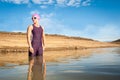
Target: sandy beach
{"points": [[16, 42]]}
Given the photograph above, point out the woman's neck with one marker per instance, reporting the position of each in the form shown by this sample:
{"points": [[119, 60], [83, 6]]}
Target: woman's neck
{"points": [[36, 24]]}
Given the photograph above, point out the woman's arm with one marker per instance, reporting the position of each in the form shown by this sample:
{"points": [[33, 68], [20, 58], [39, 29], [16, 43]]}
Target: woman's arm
{"points": [[29, 29], [43, 39]]}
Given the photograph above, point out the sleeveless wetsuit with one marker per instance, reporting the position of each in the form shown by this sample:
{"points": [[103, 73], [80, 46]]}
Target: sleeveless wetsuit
{"points": [[37, 33]]}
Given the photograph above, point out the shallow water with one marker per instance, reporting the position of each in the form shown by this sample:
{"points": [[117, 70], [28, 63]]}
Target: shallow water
{"points": [[100, 64]]}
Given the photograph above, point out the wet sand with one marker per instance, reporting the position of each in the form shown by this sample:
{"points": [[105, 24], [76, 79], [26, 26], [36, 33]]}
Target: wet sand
{"points": [[50, 56]]}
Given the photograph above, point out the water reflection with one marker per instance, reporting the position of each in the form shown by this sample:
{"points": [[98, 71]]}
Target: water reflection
{"points": [[37, 68], [87, 64]]}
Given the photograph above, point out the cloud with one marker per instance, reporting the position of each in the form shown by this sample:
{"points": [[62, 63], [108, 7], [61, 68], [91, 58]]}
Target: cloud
{"points": [[34, 11], [74, 3], [43, 1], [51, 25], [23, 31], [107, 32], [64, 3], [86, 3], [60, 3], [43, 7], [16, 1], [48, 15]]}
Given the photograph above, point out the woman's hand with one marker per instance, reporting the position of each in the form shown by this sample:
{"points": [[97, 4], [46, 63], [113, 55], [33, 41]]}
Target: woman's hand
{"points": [[31, 49]]}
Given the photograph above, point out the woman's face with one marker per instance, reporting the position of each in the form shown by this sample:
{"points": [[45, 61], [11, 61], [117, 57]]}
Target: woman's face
{"points": [[34, 19]]}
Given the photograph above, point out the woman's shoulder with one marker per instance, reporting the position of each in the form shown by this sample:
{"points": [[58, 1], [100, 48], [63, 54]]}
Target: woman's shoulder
{"points": [[30, 26], [42, 27]]}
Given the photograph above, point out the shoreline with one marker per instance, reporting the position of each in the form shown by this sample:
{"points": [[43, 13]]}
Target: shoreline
{"points": [[25, 49]]}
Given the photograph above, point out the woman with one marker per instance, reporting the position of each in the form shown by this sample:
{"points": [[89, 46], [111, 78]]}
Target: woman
{"points": [[35, 39]]}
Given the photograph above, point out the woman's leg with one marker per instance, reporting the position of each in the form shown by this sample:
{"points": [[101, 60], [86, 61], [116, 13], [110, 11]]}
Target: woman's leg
{"points": [[31, 63]]}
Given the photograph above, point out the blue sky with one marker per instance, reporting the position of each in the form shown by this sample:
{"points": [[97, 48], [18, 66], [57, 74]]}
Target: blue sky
{"points": [[95, 19]]}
